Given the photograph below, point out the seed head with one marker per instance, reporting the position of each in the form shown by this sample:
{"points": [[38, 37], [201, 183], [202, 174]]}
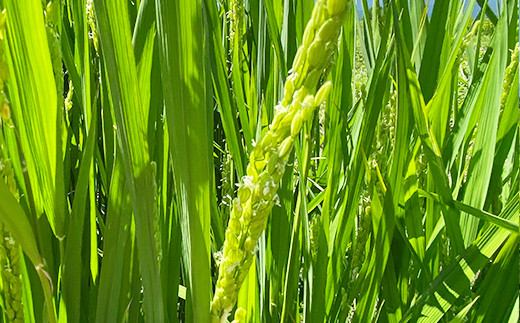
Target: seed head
{"points": [[257, 194]]}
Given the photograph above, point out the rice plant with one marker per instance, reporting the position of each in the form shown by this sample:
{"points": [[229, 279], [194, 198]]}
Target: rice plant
{"points": [[259, 161]]}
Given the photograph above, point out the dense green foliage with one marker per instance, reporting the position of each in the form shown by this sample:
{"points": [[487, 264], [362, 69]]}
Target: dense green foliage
{"points": [[127, 128]]}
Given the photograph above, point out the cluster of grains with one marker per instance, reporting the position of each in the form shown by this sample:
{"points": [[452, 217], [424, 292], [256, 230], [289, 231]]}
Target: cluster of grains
{"points": [[92, 23], [508, 78], [463, 68], [385, 134], [363, 228], [52, 23], [359, 73], [10, 258], [257, 191], [226, 186], [466, 40], [421, 168], [235, 16], [469, 154], [314, 236]]}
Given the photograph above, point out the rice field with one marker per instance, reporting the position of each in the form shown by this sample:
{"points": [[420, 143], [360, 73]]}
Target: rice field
{"points": [[259, 161]]}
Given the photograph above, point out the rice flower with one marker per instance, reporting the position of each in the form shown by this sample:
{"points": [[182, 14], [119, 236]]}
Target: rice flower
{"points": [[257, 192]]}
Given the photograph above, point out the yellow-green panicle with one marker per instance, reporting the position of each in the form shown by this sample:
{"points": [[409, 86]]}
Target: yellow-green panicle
{"points": [[257, 192]]}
